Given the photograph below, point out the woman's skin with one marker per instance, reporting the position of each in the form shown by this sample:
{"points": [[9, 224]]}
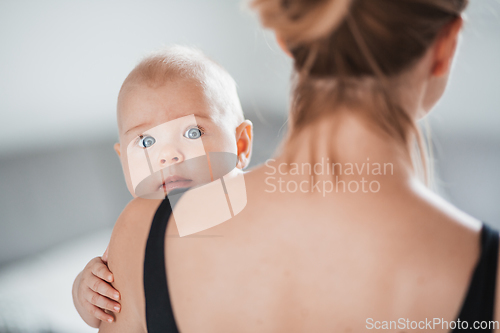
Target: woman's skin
{"points": [[304, 262]]}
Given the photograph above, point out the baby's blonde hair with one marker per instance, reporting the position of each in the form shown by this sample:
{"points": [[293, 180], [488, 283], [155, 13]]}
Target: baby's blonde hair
{"points": [[182, 62]]}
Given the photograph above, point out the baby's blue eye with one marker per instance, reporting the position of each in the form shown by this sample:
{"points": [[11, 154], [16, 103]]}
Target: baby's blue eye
{"points": [[193, 133], [146, 141]]}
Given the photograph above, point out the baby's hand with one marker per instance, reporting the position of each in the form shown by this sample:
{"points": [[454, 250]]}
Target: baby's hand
{"points": [[93, 293]]}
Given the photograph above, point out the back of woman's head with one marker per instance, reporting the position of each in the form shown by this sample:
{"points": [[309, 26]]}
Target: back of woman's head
{"points": [[395, 32], [341, 46]]}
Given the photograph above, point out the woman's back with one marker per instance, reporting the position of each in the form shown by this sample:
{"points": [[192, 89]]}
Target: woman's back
{"points": [[301, 262]]}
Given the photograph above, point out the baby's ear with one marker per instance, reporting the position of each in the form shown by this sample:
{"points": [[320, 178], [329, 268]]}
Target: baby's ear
{"points": [[244, 138], [117, 149]]}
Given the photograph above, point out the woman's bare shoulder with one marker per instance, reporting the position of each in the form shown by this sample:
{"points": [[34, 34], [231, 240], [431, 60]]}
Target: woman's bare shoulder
{"points": [[136, 216], [126, 259], [131, 231]]}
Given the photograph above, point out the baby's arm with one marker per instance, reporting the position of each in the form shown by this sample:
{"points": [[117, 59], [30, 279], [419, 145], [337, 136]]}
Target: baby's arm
{"points": [[92, 292]]}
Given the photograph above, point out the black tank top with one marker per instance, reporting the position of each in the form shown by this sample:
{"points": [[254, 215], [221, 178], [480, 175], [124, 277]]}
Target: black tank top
{"points": [[477, 306]]}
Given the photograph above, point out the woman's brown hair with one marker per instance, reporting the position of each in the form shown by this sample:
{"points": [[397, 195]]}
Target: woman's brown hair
{"points": [[342, 46]]}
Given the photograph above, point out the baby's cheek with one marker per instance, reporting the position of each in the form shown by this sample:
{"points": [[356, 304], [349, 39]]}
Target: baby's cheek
{"points": [[138, 168], [126, 174], [193, 149], [221, 142]]}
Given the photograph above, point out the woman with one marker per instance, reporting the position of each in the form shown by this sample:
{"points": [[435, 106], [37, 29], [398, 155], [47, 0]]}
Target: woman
{"points": [[362, 245]]}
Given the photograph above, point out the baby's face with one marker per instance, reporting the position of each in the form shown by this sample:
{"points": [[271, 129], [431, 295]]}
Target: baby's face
{"points": [[166, 134]]}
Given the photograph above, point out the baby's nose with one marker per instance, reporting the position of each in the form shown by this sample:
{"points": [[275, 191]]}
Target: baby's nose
{"points": [[171, 156], [173, 160]]}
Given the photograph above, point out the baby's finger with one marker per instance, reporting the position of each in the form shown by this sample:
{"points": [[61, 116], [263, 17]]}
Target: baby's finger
{"points": [[102, 271], [103, 288], [102, 302], [105, 255], [99, 313]]}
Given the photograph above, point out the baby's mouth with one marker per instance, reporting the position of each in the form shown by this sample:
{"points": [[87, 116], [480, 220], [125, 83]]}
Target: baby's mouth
{"points": [[173, 182]]}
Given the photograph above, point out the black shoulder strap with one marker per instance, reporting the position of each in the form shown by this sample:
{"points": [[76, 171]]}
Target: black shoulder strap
{"points": [[159, 313], [479, 303]]}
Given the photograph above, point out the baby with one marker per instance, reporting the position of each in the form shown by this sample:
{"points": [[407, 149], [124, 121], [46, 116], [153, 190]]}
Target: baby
{"points": [[175, 108]]}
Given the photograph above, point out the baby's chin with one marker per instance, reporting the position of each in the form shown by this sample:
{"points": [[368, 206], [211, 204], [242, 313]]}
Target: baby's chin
{"points": [[133, 194], [131, 189]]}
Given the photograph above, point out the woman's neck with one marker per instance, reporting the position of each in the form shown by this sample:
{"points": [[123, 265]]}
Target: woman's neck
{"points": [[352, 147]]}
